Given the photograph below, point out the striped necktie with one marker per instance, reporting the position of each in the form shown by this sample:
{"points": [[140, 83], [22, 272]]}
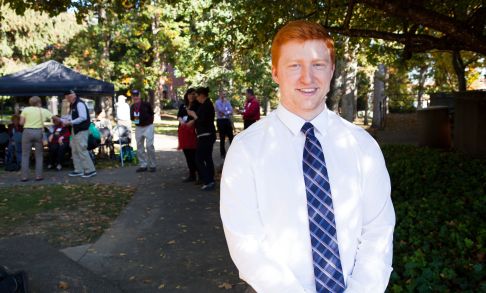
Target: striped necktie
{"points": [[325, 253]]}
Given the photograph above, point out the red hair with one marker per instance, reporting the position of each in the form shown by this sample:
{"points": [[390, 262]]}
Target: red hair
{"points": [[301, 31]]}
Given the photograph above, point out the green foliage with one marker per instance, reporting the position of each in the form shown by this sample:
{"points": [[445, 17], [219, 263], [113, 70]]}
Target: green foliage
{"points": [[440, 234], [32, 37]]}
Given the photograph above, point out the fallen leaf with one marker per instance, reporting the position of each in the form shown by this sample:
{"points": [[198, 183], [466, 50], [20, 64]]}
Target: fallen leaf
{"points": [[225, 285], [63, 285]]}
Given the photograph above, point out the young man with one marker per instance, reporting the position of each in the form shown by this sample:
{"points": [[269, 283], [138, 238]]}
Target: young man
{"points": [[79, 119], [224, 111], [142, 116], [313, 213], [251, 112]]}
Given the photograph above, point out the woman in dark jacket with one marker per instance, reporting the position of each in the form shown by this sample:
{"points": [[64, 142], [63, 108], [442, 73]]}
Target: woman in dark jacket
{"points": [[206, 136], [186, 132]]}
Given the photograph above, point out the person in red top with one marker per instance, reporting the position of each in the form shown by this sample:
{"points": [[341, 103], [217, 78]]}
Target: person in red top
{"points": [[58, 145], [251, 113]]}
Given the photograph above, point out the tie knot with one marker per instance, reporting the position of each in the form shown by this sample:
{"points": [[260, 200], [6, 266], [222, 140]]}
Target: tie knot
{"points": [[308, 129]]}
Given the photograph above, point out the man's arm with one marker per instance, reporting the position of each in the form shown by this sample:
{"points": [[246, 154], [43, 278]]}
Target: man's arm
{"points": [[150, 109], [243, 229], [229, 109], [373, 260], [219, 106]]}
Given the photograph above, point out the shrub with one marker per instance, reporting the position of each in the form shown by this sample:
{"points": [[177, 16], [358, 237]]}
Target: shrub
{"points": [[439, 200]]}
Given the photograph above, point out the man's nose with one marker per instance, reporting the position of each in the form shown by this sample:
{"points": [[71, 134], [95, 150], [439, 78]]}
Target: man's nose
{"points": [[306, 75]]}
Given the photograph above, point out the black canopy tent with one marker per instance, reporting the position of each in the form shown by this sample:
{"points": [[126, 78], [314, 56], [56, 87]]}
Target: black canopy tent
{"points": [[52, 79]]}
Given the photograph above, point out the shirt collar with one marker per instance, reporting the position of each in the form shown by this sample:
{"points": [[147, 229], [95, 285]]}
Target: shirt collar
{"points": [[294, 123]]}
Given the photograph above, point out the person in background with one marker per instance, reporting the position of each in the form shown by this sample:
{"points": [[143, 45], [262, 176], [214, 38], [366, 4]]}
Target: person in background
{"points": [[79, 121], [15, 144], [251, 111], [305, 195], [123, 112], [186, 133], [32, 119], [206, 136], [224, 112], [58, 143], [4, 141], [142, 115]]}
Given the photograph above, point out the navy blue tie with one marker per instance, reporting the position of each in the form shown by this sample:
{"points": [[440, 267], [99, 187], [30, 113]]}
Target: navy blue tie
{"points": [[325, 253]]}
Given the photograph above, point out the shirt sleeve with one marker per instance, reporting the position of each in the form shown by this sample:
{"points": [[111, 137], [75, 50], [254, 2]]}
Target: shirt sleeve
{"points": [[24, 113], [180, 113], [46, 114], [219, 106], [150, 110], [83, 115], [244, 231], [229, 109], [373, 261]]}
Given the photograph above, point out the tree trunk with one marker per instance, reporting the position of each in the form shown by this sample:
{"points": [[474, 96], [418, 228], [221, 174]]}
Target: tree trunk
{"points": [[335, 91], [379, 97], [421, 85], [349, 99], [106, 37], [459, 68], [367, 102], [104, 23], [157, 96]]}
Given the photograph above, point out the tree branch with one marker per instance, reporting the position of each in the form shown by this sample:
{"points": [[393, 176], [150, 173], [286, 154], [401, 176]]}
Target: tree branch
{"points": [[415, 43], [457, 32], [349, 14]]}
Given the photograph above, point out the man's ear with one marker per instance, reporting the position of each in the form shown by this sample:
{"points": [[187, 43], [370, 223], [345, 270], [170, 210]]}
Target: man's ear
{"points": [[274, 74]]}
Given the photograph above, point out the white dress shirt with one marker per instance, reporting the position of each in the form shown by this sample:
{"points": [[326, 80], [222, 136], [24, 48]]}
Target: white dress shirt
{"points": [[264, 204]]}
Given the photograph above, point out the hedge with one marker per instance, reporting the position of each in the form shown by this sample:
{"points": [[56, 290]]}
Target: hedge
{"points": [[440, 200]]}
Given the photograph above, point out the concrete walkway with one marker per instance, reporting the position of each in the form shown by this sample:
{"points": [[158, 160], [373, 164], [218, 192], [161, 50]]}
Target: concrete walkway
{"points": [[168, 239]]}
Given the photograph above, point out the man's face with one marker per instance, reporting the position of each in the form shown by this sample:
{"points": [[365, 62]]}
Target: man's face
{"points": [[304, 72], [201, 98], [70, 98], [136, 98]]}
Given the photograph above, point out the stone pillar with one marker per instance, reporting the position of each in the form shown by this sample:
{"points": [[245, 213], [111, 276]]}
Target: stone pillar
{"points": [[469, 123]]}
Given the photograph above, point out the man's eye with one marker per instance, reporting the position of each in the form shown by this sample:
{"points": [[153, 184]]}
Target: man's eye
{"points": [[294, 66], [320, 65]]}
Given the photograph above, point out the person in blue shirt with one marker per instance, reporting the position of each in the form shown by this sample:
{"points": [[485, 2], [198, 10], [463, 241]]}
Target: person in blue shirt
{"points": [[224, 112]]}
